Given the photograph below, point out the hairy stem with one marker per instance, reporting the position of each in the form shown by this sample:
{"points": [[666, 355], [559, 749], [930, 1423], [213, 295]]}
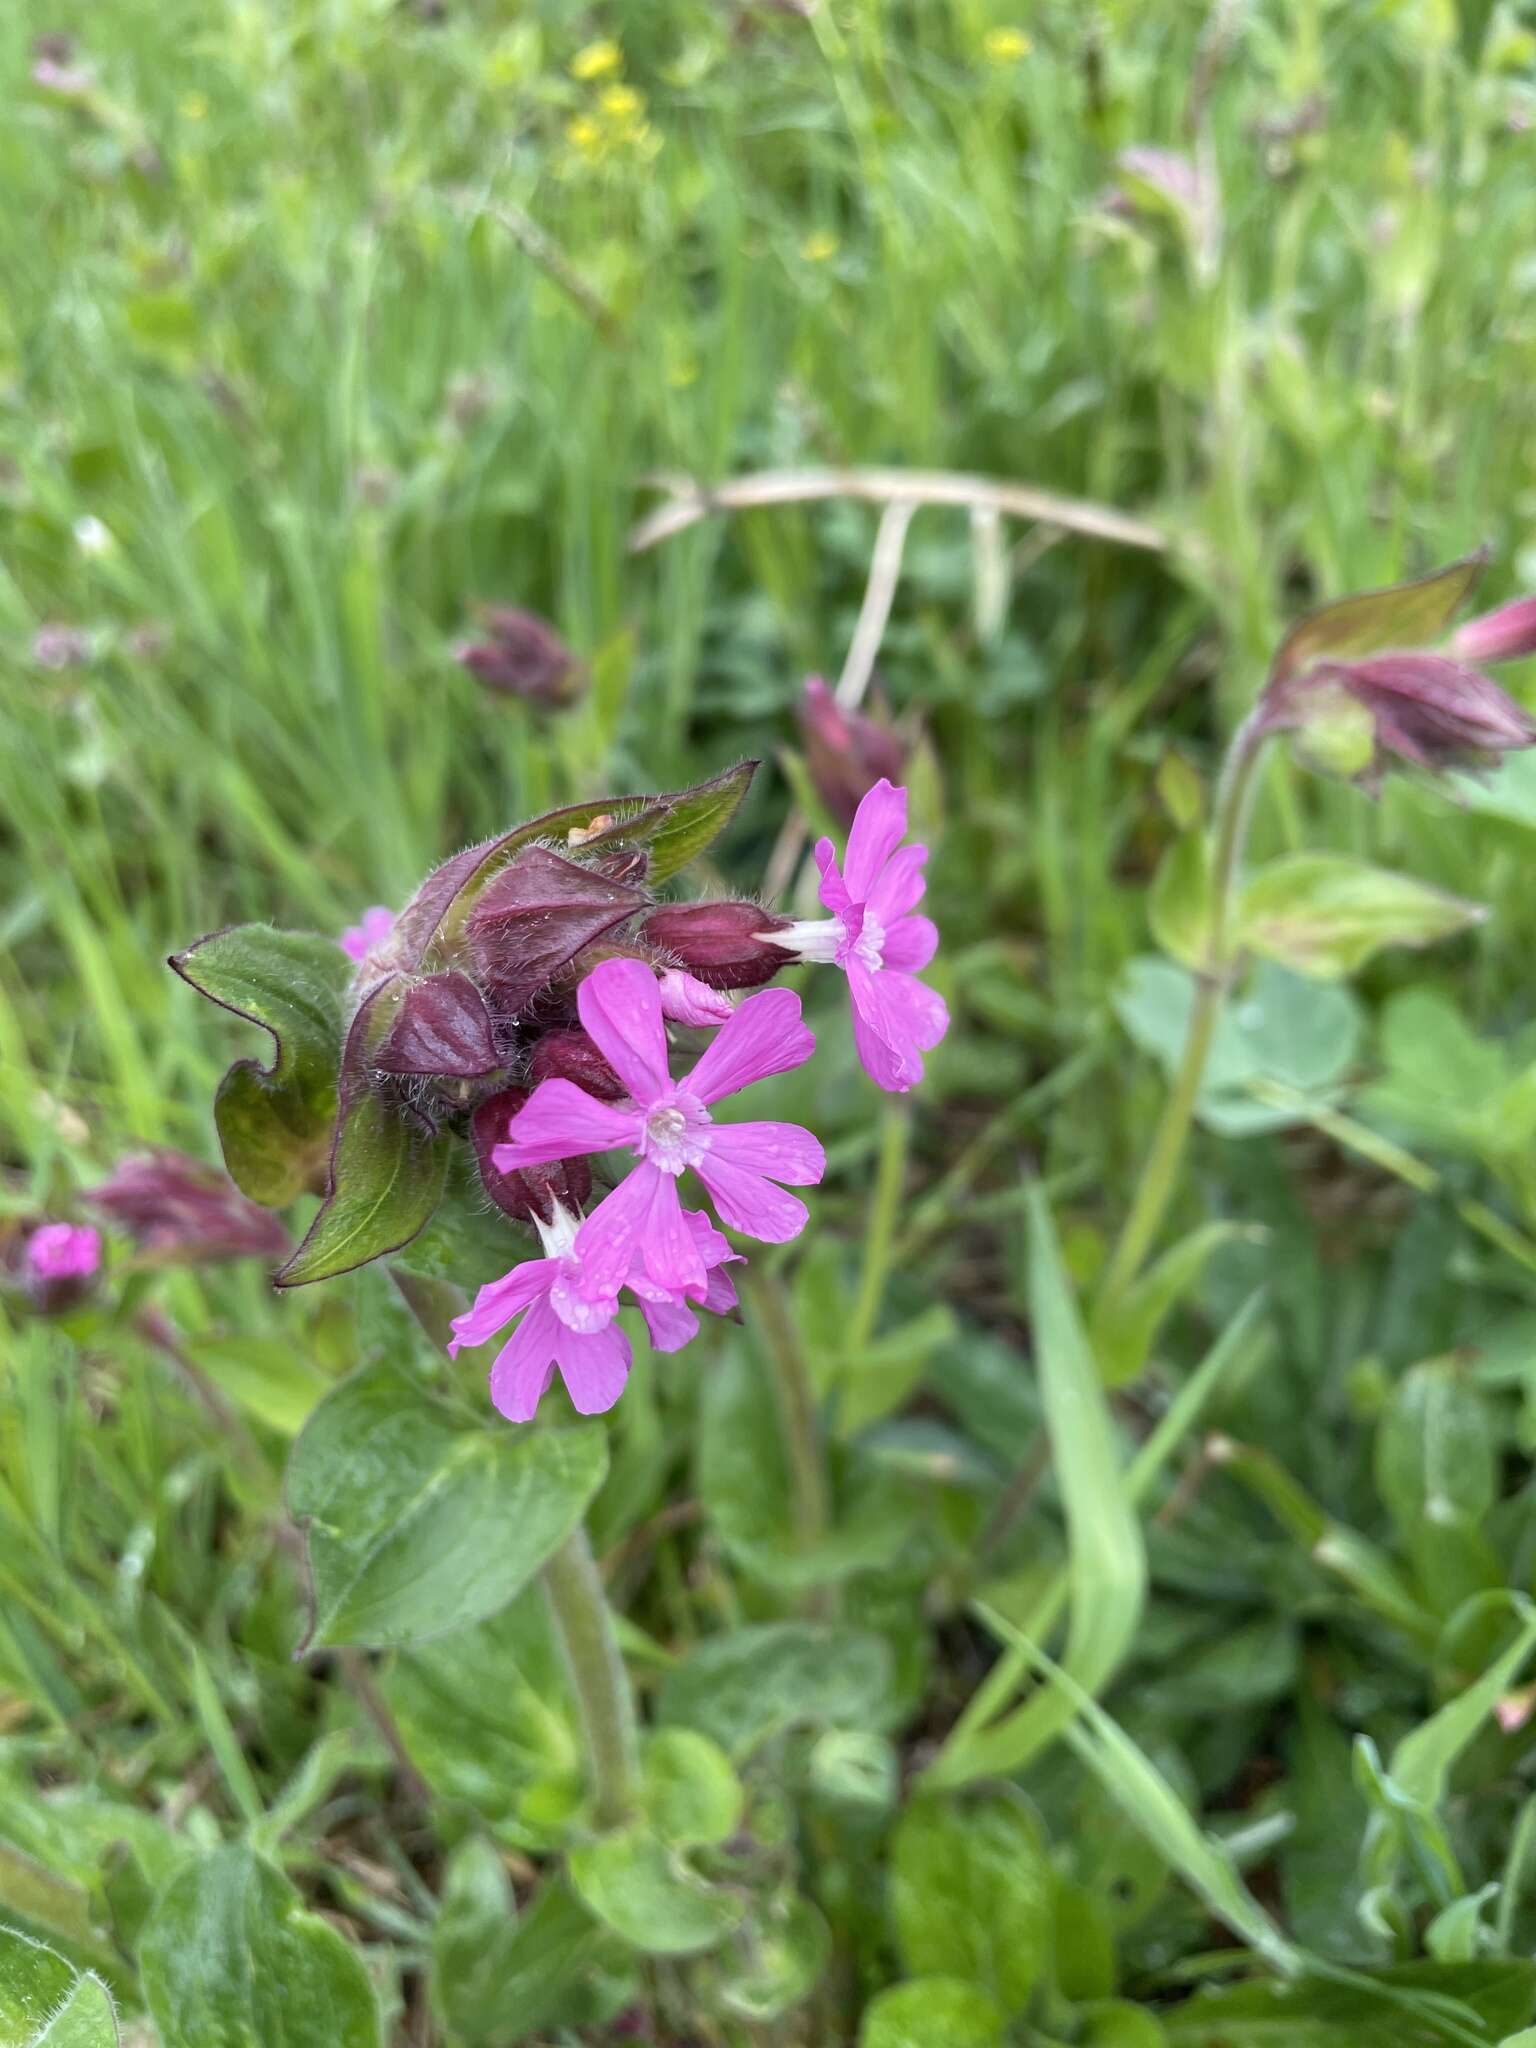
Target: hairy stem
{"points": [[796, 1400], [574, 1588], [1159, 1175]]}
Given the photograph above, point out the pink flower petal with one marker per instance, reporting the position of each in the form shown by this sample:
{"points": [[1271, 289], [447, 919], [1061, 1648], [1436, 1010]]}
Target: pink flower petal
{"points": [[525, 1364], [672, 1323], [642, 1222], [561, 1121], [620, 1008], [751, 1204], [687, 1000], [594, 1365], [499, 1301], [782, 1151], [910, 943], [375, 926], [879, 826], [834, 890], [766, 1036], [900, 887], [896, 1018], [720, 1296]]}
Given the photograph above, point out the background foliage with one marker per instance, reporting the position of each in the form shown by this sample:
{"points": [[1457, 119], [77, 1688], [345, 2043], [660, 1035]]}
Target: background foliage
{"points": [[283, 394]]}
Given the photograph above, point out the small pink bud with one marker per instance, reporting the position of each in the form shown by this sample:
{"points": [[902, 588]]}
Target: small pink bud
{"points": [[179, 1210], [1508, 634], [523, 656], [846, 752], [531, 1193], [63, 1251], [533, 918], [372, 929], [719, 943], [687, 1000], [569, 1055], [441, 1028]]}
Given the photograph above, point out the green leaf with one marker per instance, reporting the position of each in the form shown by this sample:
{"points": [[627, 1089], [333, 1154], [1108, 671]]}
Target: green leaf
{"points": [[418, 1522], [755, 1683], [1115, 2024], [1436, 1454], [784, 1948], [1125, 1329], [501, 1979], [1398, 2008], [689, 1793], [647, 1893], [1179, 903], [970, 1888], [1403, 615], [932, 2012], [232, 1957], [1421, 1762], [275, 1122], [1325, 915], [45, 2003]]}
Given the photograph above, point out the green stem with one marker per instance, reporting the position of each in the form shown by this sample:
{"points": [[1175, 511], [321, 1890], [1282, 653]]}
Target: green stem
{"points": [[796, 1399], [880, 1231], [1159, 1175], [574, 1588]]}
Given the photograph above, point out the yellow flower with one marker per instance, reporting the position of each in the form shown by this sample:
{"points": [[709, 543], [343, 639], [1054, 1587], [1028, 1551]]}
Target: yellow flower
{"points": [[597, 60], [621, 103], [194, 106], [1006, 45], [819, 247], [585, 135]]}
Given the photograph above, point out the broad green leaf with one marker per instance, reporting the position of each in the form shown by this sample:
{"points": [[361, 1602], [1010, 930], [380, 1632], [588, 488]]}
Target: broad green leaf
{"points": [[487, 1719], [688, 1791], [1107, 1566], [1457, 1933], [417, 1522], [970, 1890], [232, 1958], [1179, 901], [1406, 2007], [755, 1683], [269, 1377], [275, 1122], [1325, 915], [499, 1978], [1404, 615], [1125, 1329], [1082, 1941], [46, 2003], [775, 1963], [1116, 2024], [932, 2012], [647, 1893], [1436, 1454]]}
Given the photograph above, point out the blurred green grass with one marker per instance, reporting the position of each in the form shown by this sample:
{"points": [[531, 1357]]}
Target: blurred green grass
{"points": [[282, 398]]}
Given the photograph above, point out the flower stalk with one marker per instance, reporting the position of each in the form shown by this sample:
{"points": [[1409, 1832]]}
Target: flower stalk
{"points": [[604, 1703]]}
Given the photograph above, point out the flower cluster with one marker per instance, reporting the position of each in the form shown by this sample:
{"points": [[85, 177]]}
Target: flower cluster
{"points": [[608, 1087]]}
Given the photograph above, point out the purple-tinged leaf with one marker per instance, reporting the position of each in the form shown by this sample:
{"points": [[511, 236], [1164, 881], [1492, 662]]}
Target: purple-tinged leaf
{"points": [[441, 1027], [1405, 615]]}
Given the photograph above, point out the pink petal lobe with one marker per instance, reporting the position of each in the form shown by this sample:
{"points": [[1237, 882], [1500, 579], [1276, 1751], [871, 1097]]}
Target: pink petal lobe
{"points": [[607, 1243], [687, 1000], [833, 890], [594, 1365], [620, 1009], [499, 1301], [910, 943], [672, 1323], [896, 1018], [879, 826], [525, 1364], [899, 888], [561, 1121], [766, 1036], [750, 1203], [782, 1151]]}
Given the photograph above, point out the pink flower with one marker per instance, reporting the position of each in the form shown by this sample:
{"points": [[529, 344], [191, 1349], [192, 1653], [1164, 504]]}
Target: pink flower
{"points": [[561, 1324], [876, 939], [63, 1251], [667, 1124], [1509, 634], [687, 1000], [375, 926]]}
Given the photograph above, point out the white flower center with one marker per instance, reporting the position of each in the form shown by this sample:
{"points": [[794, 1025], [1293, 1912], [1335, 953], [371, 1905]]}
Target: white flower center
{"points": [[676, 1133], [826, 939]]}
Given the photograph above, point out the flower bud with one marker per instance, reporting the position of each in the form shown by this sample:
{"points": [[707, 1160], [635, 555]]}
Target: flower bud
{"points": [[846, 752], [532, 1193], [1508, 634], [722, 944], [536, 915], [58, 1265], [180, 1211], [441, 1027], [1433, 712], [687, 1000], [371, 930], [523, 656], [569, 1055]]}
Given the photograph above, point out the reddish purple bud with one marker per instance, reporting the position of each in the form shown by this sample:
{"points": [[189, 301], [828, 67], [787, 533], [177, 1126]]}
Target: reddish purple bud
{"points": [[441, 1027], [1508, 634], [721, 943], [846, 752], [1424, 709], [178, 1209], [523, 656], [536, 915], [532, 1192], [56, 1264], [687, 1000], [57, 647], [572, 1056]]}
